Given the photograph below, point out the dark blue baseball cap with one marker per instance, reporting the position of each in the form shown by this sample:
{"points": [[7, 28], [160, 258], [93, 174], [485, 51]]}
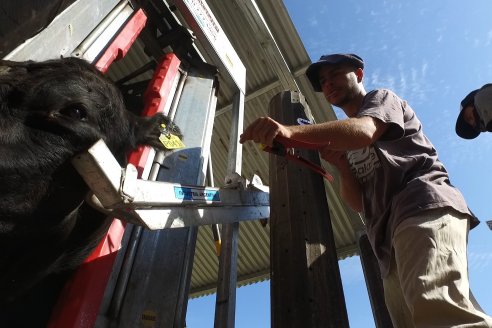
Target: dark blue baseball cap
{"points": [[463, 129], [312, 71]]}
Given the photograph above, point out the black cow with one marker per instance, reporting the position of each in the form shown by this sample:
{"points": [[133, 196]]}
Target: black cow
{"points": [[50, 111]]}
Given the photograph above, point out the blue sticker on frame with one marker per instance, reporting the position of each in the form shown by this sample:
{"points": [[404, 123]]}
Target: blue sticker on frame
{"points": [[303, 121], [202, 194]]}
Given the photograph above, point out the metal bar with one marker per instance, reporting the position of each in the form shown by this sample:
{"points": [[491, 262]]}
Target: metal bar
{"points": [[234, 159], [160, 205], [129, 250], [253, 94], [179, 90], [157, 219], [139, 71], [166, 194], [214, 227], [100, 170], [225, 305], [264, 37], [100, 28], [102, 39], [65, 32], [210, 34]]}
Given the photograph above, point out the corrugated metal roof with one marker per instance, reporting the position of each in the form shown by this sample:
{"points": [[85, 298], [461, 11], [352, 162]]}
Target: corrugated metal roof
{"points": [[275, 59], [263, 82]]}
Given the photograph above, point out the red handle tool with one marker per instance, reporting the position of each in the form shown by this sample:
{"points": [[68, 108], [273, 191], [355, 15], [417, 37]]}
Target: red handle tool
{"points": [[281, 147]]}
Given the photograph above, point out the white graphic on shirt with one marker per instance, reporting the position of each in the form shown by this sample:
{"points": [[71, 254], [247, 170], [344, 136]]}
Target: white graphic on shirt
{"points": [[363, 162]]}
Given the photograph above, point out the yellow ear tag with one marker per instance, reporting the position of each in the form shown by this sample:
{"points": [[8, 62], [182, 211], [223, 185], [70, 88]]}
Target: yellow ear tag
{"points": [[169, 140], [262, 146]]}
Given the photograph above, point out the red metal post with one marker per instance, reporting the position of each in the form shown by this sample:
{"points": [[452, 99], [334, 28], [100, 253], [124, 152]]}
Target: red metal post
{"points": [[123, 41]]}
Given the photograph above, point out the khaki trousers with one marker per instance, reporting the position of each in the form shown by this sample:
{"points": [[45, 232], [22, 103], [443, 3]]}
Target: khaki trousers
{"points": [[428, 281]]}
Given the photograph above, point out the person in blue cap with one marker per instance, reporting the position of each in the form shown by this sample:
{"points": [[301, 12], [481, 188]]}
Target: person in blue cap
{"points": [[475, 113], [416, 220]]}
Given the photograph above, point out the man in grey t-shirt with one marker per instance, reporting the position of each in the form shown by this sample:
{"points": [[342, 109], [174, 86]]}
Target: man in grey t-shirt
{"points": [[417, 222]]}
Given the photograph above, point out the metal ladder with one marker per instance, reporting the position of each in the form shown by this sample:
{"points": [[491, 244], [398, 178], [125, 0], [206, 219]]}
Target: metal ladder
{"points": [[150, 288]]}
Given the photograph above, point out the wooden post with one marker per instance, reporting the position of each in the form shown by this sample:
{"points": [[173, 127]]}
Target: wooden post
{"points": [[306, 289], [374, 283]]}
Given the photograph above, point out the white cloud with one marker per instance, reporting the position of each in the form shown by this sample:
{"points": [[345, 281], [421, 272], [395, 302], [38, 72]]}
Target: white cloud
{"points": [[479, 261], [424, 68], [351, 271], [408, 82], [313, 21], [489, 38], [403, 79]]}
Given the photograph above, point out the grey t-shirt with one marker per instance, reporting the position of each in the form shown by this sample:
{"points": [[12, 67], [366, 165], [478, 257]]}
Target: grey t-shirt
{"points": [[400, 174]]}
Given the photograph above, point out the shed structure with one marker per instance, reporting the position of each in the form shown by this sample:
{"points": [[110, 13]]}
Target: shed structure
{"points": [[266, 41]]}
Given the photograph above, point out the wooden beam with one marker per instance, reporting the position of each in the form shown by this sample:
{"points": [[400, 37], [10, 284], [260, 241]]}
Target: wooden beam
{"points": [[374, 283], [306, 289]]}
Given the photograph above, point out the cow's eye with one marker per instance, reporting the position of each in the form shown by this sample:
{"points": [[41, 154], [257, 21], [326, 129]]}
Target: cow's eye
{"points": [[75, 111]]}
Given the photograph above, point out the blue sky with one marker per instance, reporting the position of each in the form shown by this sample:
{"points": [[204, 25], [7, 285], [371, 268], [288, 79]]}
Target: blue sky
{"points": [[431, 53]]}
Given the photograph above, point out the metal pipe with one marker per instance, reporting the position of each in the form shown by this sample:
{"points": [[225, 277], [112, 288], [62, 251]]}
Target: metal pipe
{"points": [[92, 37]]}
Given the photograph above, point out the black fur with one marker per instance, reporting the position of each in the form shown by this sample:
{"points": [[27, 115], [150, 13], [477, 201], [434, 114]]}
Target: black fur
{"points": [[50, 111]]}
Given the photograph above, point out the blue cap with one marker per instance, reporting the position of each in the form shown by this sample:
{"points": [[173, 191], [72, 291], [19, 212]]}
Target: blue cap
{"points": [[463, 129], [312, 72]]}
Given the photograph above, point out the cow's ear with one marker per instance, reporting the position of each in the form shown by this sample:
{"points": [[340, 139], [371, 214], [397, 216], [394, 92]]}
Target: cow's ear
{"points": [[146, 130]]}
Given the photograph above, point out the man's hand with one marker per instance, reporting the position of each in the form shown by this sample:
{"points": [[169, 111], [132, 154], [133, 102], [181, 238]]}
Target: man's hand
{"points": [[334, 157], [349, 186], [263, 130]]}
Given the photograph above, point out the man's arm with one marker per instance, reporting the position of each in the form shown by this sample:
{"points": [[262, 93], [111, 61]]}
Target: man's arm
{"points": [[349, 134], [349, 186], [334, 138]]}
